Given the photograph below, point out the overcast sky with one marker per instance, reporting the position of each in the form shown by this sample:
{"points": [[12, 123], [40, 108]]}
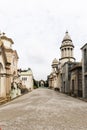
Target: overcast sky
{"points": [[37, 28]]}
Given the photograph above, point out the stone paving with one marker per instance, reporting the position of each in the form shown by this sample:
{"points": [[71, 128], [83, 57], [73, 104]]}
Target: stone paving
{"points": [[44, 109]]}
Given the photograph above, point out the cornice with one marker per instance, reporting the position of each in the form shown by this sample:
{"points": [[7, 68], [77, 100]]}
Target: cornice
{"points": [[8, 39], [67, 58], [62, 46]]}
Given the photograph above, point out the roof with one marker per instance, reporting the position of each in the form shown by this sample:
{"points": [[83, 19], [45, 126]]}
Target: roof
{"points": [[84, 46], [67, 40], [67, 37], [55, 61], [26, 72]]}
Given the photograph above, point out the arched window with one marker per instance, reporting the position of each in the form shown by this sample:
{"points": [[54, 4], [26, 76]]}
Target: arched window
{"points": [[72, 52], [65, 52], [62, 53]]}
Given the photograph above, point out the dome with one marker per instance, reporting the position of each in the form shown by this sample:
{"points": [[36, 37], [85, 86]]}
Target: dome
{"points": [[67, 41], [55, 61], [67, 37]]}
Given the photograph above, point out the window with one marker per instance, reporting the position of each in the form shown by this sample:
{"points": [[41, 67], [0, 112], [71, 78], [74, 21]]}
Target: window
{"points": [[24, 78]]}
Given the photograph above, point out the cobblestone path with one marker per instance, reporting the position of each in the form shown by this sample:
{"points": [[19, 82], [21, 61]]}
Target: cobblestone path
{"points": [[44, 109]]}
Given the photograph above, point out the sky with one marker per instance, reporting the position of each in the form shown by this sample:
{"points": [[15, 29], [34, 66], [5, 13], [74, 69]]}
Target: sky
{"points": [[37, 28]]}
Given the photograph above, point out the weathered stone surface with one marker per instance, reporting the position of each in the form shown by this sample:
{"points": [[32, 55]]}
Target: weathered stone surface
{"points": [[44, 109]]}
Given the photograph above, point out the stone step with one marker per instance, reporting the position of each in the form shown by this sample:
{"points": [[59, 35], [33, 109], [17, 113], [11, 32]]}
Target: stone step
{"points": [[3, 100]]}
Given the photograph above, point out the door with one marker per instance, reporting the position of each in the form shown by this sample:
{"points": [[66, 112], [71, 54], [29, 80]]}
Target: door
{"points": [[73, 85]]}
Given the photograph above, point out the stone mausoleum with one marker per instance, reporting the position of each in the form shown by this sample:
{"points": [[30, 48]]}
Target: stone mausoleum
{"points": [[66, 75]]}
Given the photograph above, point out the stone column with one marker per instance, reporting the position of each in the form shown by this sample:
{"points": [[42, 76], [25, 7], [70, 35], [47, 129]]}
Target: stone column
{"points": [[3, 86]]}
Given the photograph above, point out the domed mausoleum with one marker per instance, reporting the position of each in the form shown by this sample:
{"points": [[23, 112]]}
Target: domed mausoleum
{"points": [[67, 49]]}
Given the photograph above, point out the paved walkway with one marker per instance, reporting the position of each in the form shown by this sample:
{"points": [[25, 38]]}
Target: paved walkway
{"points": [[44, 109]]}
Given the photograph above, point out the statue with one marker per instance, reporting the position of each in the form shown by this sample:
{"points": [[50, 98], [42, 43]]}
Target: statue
{"points": [[15, 90]]}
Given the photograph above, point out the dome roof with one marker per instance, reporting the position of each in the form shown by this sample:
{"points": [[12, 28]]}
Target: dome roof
{"points": [[67, 41], [67, 37], [55, 61]]}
